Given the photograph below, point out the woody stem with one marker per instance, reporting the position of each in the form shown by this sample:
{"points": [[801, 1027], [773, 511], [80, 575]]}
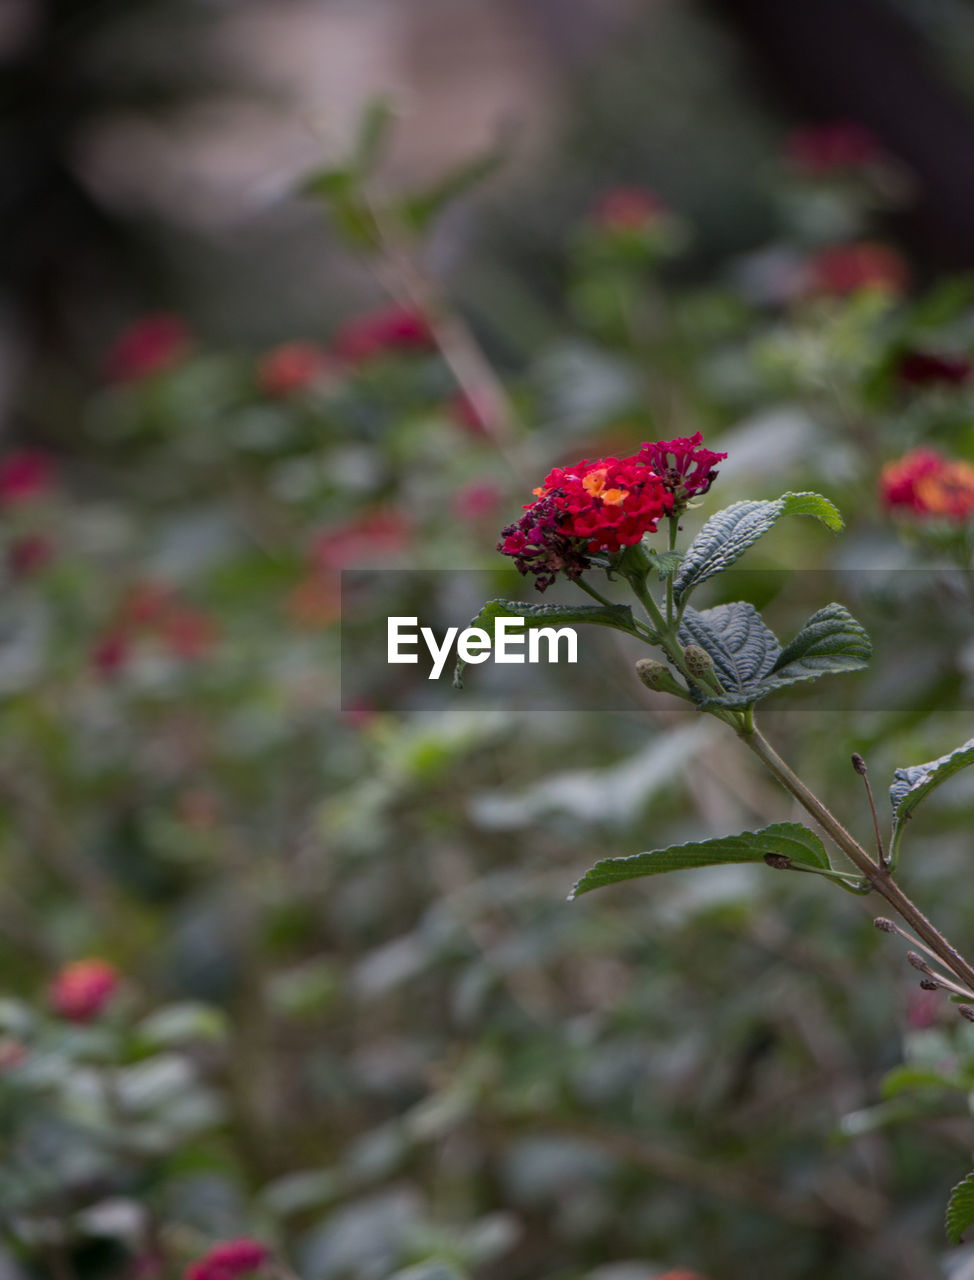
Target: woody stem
{"points": [[878, 876]]}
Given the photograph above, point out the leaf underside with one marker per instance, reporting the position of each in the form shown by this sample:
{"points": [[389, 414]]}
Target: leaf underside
{"points": [[618, 616], [914, 782], [728, 534], [960, 1209], [787, 839]]}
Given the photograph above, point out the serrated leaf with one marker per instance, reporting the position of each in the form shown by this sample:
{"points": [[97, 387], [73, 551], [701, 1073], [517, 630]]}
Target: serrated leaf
{"points": [[912, 783], [749, 661], [618, 616], [789, 839], [960, 1209], [830, 642], [744, 650], [665, 563], [728, 534]]}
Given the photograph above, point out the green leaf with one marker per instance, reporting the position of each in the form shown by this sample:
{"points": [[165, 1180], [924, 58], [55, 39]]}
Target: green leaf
{"points": [[728, 534], [373, 131], [743, 649], [665, 563], [960, 1209], [420, 209], [830, 642], [787, 839], [618, 616], [331, 184], [913, 783], [749, 661], [910, 1079]]}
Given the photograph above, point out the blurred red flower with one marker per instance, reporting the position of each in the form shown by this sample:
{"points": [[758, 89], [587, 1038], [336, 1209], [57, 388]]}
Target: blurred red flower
{"points": [[82, 989], [474, 501], [393, 328], [289, 368], [822, 150], [928, 484], [27, 554], [471, 412], [924, 369], [846, 268], [232, 1258], [152, 344], [369, 537], [111, 653], [627, 209], [25, 475], [188, 633]]}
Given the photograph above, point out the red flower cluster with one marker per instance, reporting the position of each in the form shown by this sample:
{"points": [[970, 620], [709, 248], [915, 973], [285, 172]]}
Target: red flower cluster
{"points": [[154, 608], [927, 484], [605, 505], [846, 268], [824, 150], [82, 989], [394, 328], [25, 476], [924, 369], [686, 467], [375, 535], [289, 368], [225, 1261], [152, 344], [628, 209]]}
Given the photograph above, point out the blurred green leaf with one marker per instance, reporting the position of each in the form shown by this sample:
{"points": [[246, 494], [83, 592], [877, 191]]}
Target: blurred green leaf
{"points": [[960, 1209]]}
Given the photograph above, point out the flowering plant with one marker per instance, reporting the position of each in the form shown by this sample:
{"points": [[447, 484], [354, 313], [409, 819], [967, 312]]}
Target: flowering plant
{"points": [[602, 515]]}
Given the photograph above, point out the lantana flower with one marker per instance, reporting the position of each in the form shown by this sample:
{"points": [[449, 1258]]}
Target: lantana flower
{"points": [[289, 368], [605, 505], [846, 268], [241, 1257], [929, 485], [151, 345], [394, 328], [82, 989], [25, 476], [829, 150]]}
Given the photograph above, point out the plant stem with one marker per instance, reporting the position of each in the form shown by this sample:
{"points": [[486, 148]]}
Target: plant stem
{"points": [[878, 876]]}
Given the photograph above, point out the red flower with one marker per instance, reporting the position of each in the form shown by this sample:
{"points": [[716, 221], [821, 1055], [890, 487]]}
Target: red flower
{"points": [[628, 209], [394, 328], [232, 1258], [28, 554], [111, 653], [82, 989], [471, 412], [476, 500], [923, 369], [373, 536], [685, 466], [25, 475], [289, 368], [147, 603], [823, 150], [930, 485], [188, 633], [152, 344], [605, 505], [847, 268]]}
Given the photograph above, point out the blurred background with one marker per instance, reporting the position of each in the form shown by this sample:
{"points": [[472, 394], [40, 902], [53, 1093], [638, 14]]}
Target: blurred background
{"points": [[292, 287]]}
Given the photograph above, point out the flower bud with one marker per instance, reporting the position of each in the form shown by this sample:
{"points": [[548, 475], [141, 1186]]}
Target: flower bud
{"points": [[658, 677], [701, 667]]}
